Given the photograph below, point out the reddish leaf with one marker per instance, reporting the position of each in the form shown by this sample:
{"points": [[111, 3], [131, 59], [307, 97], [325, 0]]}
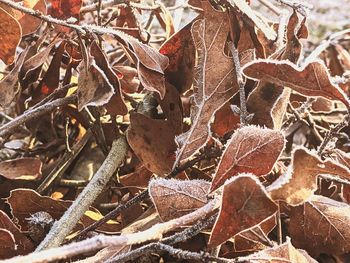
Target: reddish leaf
{"points": [[8, 244], [246, 146], [11, 34], [64, 9], [312, 80], [225, 121], [153, 142], [214, 85], [181, 53], [300, 180], [320, 225], [175, 198], [244, 204], [21, 169], [23, 244]]}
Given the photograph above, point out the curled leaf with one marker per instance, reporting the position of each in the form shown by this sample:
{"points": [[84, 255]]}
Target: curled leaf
{"points": [[312, 80]]}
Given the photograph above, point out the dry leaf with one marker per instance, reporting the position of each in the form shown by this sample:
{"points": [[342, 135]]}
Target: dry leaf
{"points": [[172, 107], [8, 85], [175, 198], [8, 244], [300, 180], [244, 204], [312, 80], [25, 168], [256, 238], [213, 85], [251, 149], [25, 202], [97, 82], [321, 225], [282, 253], [181, 53], [225, 121], [23, 244], [153, 142], [10, 36]]}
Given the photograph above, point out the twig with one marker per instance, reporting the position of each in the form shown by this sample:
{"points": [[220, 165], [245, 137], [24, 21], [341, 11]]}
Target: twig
{"points": [[143, 195], [56, 94], [80, 29], [110, 3], [31, 114], [243, 103], [64, 163], [270, 6], [302, 8], [175, 252], [176, 238], [70, 218], [89, 245], [332, 133]]}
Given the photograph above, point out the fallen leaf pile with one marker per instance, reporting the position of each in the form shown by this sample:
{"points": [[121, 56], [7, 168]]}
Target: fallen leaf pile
{"points": [[205, 131]]}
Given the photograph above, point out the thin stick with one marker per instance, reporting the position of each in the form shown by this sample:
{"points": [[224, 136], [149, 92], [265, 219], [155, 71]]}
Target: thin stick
{"points": [[63, 163], [31, 114], [89, 245], [65, 225], [333, 132], [270, 6], [243, 103], [175, 252], [81, 29]]}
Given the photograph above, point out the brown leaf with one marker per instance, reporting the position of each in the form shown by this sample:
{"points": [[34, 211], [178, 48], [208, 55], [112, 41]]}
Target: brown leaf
{"points": [[51, 79], [313, 80], [282, 253], [256, 238], [153, 142], [321, 225], [117, 105], [175, 198], [214, 85], [225, 121], [8, 244], [97, 82], [181, 53], [251, 149], [11, 34], [8, 85], [127, 77], [300, 180], [244, 204], [268, 101], [25, 202], [172, 107], [23, 244], [35, 62], [25, 168], [150, 63]]}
